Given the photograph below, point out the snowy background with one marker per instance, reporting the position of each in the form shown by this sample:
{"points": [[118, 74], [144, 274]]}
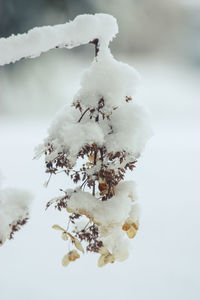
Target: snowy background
{"points": [[164, 263]]}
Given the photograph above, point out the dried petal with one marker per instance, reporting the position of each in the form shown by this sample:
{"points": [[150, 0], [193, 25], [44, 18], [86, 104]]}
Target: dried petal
{"points": [[57, 227], [103, 251], [78, 245], [2, 241], [101, 261], [136, 225], [105, 259], [109, 259], [69, 210], [73, 255], [126, 226], [65, 260], [131, 232], [64, 236], [91, 158]]}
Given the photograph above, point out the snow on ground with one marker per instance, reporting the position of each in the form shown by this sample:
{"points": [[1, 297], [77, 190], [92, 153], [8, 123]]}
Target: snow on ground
{"points": [[164, 263]]}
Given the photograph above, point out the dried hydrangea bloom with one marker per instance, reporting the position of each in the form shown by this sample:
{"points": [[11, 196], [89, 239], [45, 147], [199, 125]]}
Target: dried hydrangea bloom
{"points": [[95, 143]]}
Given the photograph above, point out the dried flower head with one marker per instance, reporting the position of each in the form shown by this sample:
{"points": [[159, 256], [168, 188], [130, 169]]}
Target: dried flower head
{"points": [[95, 145]]}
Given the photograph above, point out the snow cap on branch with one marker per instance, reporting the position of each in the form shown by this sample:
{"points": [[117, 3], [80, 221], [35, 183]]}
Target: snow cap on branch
{"points": [[107, 78], [82, 30]]}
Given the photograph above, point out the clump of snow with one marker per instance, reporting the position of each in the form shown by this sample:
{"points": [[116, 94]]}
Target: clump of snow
{"points": [[109, 215], [81, 30], [68, 135], [127, 128], [129, 121], [109, 79], [131, 129], [14, 207], [113, 210]]}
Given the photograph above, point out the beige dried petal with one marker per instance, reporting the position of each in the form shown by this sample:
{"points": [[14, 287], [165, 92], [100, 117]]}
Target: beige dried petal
{"points": [[2, 241], [136, 225], [126, 226], [73, 255], [129, 223], [57, 227], [131, 232], [103, 251], [91, 158], [69, 210], [78, 245], [109, 259], [64, 236], [105, 259], [65, 260], [101, 261]]}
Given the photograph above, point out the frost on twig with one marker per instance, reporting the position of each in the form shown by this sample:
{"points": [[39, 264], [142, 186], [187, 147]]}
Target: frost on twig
{"points": [[14, 212], [95, 143]]}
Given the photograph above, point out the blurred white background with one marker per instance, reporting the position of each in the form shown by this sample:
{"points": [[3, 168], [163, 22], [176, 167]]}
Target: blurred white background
{"points": [[162, 40]]}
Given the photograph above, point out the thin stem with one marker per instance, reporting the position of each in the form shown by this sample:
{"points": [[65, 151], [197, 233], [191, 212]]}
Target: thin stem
{"points": [[84, 183], [93, 189], [95, 157], [47, 182], [68, 225], [86, 225], [83, 114], [101, 158], [96, 43]]}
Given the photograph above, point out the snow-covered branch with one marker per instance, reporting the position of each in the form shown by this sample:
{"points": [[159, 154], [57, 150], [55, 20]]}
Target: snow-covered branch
{"points": [[82, 30]]}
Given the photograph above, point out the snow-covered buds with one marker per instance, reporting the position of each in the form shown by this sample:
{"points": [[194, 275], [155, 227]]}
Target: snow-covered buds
{"points": [[14, 212]]}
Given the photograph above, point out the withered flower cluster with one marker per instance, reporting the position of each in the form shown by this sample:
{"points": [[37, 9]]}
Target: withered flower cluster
{"points": [[95, 145], [97, 174]]}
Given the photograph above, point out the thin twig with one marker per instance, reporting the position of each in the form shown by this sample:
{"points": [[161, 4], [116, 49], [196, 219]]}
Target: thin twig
{"points": [[96, 43], [68, 225], [83, 114], [84, 182], [93, 189]]}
